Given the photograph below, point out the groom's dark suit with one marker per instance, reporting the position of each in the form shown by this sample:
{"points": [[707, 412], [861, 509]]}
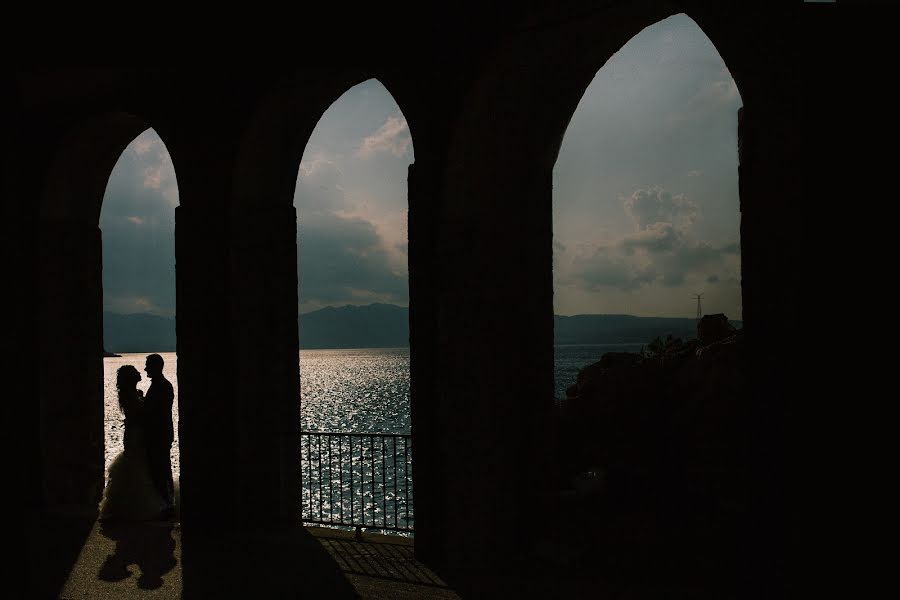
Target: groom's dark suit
{"points": [[160, 434]]}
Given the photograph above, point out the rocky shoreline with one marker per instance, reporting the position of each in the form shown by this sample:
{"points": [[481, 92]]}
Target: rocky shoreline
{"points": [[653, 447]]}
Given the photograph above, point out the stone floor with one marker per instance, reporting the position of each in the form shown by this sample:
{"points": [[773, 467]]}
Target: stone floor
{"points": [[73, 559], [76, 559]]}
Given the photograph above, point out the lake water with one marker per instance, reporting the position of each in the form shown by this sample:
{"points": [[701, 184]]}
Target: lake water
{"points": [[359, 390]]}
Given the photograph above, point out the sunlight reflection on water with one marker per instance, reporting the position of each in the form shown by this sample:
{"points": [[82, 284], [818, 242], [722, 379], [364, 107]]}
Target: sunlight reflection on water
{"points": [[363, 390], [356, 390], [359, 390]]}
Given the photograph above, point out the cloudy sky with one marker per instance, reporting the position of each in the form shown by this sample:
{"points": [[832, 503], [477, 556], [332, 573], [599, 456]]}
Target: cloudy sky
{"points": [[138, 224], [351, 206], [351, 201], [645, 195]]}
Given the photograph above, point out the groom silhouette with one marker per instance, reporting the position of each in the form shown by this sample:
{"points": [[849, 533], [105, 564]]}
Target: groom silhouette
{"points": [[159, 431]]}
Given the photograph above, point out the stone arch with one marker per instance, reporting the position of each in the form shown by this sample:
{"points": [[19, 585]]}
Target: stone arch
{"points": [[596, 93], [587, 69], [70, 308], [79, 170], [380, 93], [656, 436], [560, 68], [525, 94], [263, 269], [274, 140]]}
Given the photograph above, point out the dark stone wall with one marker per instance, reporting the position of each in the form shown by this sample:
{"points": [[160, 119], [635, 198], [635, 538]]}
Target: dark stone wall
{"points": [[206, 426], [263, 249], [22, 444], [488, 95], [70, 382]]}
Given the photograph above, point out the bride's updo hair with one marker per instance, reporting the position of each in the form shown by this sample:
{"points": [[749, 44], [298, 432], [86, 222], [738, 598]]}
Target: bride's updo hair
{"points": [[126, 378]]}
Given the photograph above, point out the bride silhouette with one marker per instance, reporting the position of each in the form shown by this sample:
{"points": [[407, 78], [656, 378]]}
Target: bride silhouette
{"points": [[130, 493]]}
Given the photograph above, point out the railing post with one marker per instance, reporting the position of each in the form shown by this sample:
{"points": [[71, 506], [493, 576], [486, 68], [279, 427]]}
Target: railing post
{"points": [[358, 522]]}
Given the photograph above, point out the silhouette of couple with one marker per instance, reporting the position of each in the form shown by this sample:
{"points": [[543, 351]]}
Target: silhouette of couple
{"points": [[139, 484]]}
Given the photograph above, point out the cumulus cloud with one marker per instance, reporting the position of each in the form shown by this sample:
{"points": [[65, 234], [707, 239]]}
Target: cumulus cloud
{"points": [[655, 238], [321, 173], [155, 164], [638, 260], [661, 250], [319, 188], [391, 137], [663, 110], [604, 266], [654, 205]]}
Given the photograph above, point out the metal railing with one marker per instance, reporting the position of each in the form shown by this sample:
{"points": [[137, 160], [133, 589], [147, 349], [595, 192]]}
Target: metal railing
{"points": [[357, 480]]}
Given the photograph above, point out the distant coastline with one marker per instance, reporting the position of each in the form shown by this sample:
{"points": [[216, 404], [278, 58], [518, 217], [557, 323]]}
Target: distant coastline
{"points": [[387, 326]]}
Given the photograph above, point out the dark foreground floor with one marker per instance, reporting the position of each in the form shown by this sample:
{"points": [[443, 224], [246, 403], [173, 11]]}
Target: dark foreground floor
{"points": [[75, 559], [70, 558]]}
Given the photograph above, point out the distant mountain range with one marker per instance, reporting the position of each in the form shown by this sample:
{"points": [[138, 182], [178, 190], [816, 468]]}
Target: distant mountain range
{"points": [[372, 326], [387, 326]]}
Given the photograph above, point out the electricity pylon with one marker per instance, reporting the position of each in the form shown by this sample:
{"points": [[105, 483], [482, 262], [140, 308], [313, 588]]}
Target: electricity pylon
{"points": [[699, 312]]}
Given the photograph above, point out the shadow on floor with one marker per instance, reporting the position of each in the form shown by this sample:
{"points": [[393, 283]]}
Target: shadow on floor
{"points": [[52, 548], [150, 547], [282, 563], [80, 558]]}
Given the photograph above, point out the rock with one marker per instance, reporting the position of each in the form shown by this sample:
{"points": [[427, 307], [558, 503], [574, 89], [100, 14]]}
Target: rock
{"points": [[713, 328], [615, 360], [672, 426]]}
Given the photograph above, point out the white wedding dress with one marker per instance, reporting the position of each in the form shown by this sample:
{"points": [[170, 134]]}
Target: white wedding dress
{"points": [[130, 493]]}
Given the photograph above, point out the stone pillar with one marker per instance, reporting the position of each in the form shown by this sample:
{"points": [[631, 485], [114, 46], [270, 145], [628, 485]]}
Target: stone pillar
{"points": [[205, 396], [265, 362], [70, 333], [771, 196], [495, 346], [427, 431]]}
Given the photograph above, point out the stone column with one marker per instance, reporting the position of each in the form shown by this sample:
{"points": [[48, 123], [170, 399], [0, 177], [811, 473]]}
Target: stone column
{"points": [[427, 433], [771, 197], [70, 334], [205, 396], [495, 351], [265, 362]]}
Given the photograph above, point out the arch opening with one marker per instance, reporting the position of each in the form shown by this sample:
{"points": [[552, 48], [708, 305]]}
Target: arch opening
{"points": [[137, 223], [351, 201], [645, 190], [646, 241]]}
